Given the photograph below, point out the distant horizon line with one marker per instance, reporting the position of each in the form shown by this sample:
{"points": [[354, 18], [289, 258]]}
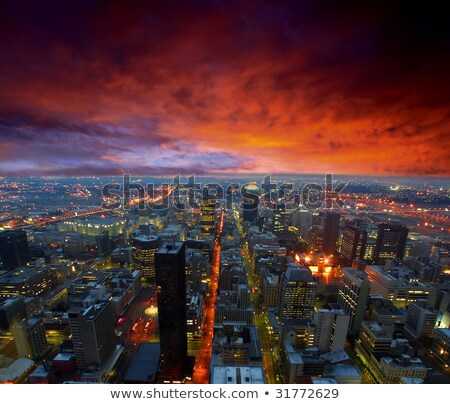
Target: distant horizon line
{"points": [[237, 174]]}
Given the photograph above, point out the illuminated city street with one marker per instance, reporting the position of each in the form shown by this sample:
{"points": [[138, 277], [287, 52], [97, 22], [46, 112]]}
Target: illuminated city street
{"points": [[202, 363]]}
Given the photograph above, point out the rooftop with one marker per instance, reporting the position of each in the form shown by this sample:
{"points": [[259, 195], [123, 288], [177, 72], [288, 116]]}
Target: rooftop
{"points": [[145, 364], [40, 371], [22, 274], [146, 238], [296, 273], [170, 247], [342, 369], [63, 357], [411, 380], [10, 300], [336, 356], [444, 331], [93, 311], [15, 370], [237, 375], [403, 362], [376, 329]]}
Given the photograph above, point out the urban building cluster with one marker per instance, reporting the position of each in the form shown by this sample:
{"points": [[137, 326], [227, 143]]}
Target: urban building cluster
{"points": [[247, 293]]}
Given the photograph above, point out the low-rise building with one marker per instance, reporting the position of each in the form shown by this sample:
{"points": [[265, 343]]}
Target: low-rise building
{"points": [[441, 345], [221, 374], [15, 371], [420, 320]]}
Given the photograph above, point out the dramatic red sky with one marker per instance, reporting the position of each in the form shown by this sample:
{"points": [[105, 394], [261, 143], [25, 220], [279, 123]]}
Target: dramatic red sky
{"points": [[102, 87]]}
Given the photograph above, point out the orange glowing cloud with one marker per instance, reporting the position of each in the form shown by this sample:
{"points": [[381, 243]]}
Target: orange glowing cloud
{"points": [[272, 88]]}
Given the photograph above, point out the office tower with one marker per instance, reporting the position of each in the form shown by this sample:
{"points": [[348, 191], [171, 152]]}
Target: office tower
{"points": [[391, 242], [270, 289], [331, 232], [298, 293], [207, 214], [279, 217], [420, 320], [374, 340], [171, 287], [29, 336], [353, 296], [370, 249], [144, 250], [353, 243], [302, 219], [93, 334], [14, 250], [12, 309], [315, 238], [331, 329], [29, 281], [250, 193], [103, 243]]}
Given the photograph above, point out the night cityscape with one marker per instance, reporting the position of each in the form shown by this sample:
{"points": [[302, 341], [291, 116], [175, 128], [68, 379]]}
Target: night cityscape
{"points": [[224, 192]]}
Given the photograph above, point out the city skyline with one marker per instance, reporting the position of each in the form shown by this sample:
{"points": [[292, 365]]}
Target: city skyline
{"points": [[250, 290], [215, 88]]}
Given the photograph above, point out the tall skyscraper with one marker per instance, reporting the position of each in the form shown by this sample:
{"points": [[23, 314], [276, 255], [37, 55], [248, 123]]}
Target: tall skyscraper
{"points": [[331, 329], [298, 293], [331, 232], [250, 192], [103, 243], [171, 287], [302, 219], [279, 218], [144, 250], [14, 250], [93, 334], [353, 296], [207, 214], [353, 243], [391, 242]]}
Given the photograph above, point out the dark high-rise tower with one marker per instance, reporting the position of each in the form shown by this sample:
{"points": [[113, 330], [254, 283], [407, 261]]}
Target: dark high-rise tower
{"points": [[103, 243], [391, 242], [207, 214], [171, 287], [353, 243], [14, 250], [93, 334], [250, 192], [331, 232]]}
